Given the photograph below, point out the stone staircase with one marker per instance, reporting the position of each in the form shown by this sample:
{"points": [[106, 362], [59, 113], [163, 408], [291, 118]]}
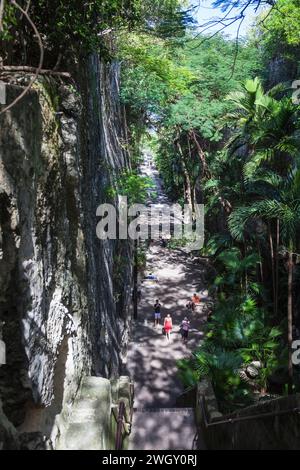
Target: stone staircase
{"points": [[89, 422], [158, 423], [90, 425], [163, 429]]}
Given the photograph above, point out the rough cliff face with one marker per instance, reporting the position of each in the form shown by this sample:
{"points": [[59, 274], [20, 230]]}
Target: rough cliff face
{"points": [[64, 294], [281, 70]]}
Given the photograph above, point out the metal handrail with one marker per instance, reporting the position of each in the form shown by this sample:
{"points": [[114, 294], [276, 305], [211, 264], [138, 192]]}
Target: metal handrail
{"points": [[122, 420], [131, 392], [244, 418]]}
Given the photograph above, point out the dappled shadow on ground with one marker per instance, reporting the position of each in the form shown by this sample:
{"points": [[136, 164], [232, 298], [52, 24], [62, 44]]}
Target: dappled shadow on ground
{"points": [[151, 358], [165, 430]]}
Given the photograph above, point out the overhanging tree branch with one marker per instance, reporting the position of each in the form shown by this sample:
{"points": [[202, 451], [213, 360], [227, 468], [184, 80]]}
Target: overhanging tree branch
{"points": [[28, 69], [41, 59], [237, 44], [2, 6], [228, 6]]}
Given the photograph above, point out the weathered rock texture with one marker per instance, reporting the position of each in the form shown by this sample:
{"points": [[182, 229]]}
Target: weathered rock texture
{"points": [[92, 424], [63, 293], [9, 438]]}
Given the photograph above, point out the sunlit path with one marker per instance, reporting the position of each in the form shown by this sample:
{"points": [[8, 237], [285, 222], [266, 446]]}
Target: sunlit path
{"points": [[152, 358], [162, 429]]}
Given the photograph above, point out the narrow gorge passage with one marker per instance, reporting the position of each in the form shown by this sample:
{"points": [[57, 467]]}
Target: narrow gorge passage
{"points": [[149, 169], [157, 421]]}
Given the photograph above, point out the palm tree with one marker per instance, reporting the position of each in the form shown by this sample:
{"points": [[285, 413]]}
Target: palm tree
{"points": [[266, 135], [285, 210]]}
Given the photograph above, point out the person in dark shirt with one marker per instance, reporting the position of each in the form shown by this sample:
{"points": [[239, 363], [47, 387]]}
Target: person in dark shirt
{"points": [[184, 329], [157, 312]]}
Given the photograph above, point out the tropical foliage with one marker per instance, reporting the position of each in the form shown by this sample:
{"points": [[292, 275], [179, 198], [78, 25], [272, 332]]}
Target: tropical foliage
{"points": [[219, 116], [73, 27], [231, 141]]}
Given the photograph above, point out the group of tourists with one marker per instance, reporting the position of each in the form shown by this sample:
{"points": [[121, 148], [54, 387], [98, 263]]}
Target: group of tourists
{"points": [[168, 322]]}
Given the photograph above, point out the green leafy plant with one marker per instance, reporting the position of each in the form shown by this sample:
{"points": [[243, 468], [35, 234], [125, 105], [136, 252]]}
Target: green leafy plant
{"points": [[265, 351], [222, 368], [137, 188]]}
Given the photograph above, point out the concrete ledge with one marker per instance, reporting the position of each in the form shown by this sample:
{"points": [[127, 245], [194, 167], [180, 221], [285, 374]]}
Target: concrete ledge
{"points": [[262, 433]]}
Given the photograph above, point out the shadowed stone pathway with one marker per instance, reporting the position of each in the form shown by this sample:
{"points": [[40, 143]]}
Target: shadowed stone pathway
{"points": [[151, 359]]}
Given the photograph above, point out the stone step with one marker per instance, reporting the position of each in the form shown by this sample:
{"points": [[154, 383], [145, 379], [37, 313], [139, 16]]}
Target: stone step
{"points": [[90, 418], [163, 429], [93, 387], [83, 402], [84, 436], [187, 411], [80, 415]]}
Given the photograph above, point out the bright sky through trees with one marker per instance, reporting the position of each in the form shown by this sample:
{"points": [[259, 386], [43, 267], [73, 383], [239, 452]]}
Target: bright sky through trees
{"points": [[206, 12]]}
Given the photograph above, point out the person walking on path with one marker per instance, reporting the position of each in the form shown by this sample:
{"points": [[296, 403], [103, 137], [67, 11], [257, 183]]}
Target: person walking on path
{"points": [[196, 301], [151, 277], [168, 325], [157, 313], [184, 329]]}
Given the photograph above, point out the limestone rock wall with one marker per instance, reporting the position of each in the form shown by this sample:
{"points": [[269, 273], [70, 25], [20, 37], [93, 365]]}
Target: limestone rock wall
{"points": [[103, 155], [64, 307]]}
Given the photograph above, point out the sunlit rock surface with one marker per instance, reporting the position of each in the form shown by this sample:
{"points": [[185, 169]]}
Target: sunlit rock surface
{"points": [[64, 293]]}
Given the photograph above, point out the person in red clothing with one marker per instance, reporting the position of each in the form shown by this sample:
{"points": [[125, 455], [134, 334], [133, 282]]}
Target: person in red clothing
{"points": [[168, 325], [195, 301]]}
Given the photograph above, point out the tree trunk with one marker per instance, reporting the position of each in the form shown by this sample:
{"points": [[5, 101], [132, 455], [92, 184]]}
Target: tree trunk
{"points": [[272, 263], [200, 152], [189, 196], [290, 320], [135, 281], [260, 262], [188, 191], [277, 267], [244, 254]]}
